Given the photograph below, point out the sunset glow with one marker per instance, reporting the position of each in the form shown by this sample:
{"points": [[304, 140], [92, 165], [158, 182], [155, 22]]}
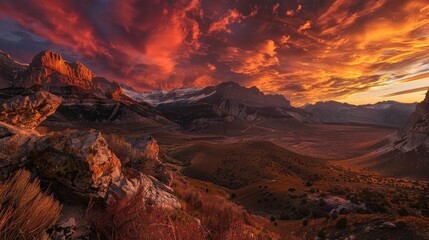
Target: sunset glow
{"points": [[359, 52]]}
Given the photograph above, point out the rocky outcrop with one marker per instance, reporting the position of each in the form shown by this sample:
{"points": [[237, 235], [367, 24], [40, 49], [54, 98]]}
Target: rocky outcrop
{"points": [[80, 161], [150, 162], [15, 147], [81, 164], [416, 133], [26, 108], [49, 68], [148, 188]]}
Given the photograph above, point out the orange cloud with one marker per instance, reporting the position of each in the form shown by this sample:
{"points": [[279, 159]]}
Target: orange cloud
{"points": [[222, 25], [339, 49], [305, 26]]}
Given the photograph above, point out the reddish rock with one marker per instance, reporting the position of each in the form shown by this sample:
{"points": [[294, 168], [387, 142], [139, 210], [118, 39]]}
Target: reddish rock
{"points": [[26, 108], [15, 147], [80, 161]]}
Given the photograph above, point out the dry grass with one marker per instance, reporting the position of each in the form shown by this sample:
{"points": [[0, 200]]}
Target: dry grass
{"points": [[25, 211], [202, 217], [136, 220], [220, 218], [122, 149]]}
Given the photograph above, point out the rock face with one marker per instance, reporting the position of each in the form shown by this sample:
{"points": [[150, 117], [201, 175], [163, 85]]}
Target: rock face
{"points": [[15, 147], [47, 63], [86, 97], [20, 110], [81, 165], [416, 133], [409, 154], [153, 192], [26, 108], [79, 161], [49, 70], [151, 164]]}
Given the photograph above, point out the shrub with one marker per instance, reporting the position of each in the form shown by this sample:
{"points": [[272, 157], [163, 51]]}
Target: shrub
{"points": [[201, 217], [122, 149], [341, 223], [136, 220], [25, 211]]}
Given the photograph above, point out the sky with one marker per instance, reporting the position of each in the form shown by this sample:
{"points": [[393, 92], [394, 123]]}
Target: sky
{"points": [[360, 51]]}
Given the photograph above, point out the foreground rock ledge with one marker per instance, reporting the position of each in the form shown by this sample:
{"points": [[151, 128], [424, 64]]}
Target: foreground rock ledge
{"points": [[26, 108]]}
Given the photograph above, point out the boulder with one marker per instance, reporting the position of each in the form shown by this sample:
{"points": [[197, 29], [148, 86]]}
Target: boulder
{"points": [[26, 108], [80, 162], [151, 164], [151, 191], [15, 147]]}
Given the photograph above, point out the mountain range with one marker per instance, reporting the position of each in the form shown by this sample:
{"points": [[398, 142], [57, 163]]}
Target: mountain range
{"points": [[87, 97], [387, 113]]}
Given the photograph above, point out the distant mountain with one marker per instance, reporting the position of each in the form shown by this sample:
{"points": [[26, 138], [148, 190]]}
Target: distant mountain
{"points": [[86, 97], [227, 101], [408, 156], [416, 133], [9, 70], [388, 113]]}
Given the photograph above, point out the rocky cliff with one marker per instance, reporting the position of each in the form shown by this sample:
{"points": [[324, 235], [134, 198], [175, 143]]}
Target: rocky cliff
{"points": [[416, 133], [49, 70]]}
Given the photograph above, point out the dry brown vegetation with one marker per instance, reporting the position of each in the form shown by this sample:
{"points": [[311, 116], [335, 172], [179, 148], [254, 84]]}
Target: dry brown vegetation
{"points": [[122, 149], [201, 217], [25, 211]]}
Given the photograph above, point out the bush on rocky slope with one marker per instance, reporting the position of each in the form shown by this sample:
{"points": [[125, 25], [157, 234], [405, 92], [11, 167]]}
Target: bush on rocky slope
{"points": [[202, 216]]}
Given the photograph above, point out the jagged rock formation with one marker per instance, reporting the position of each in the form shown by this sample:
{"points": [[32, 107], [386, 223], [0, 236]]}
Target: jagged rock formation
{"points": [[80, 165], [150, 162], [152, 191], [26, 108], [86, 97], [409, 154], [48, 66], [15, 147], [416, 133], [75, 164], [21, 108], [49, 70], [79, 161]]}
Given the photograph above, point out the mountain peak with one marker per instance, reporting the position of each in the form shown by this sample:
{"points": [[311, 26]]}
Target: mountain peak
{"points": [[55, 61]]}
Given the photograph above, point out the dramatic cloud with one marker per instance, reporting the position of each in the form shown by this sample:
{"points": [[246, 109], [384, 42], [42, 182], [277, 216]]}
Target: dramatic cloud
{"points": [[414, 90], [356, 51]]}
